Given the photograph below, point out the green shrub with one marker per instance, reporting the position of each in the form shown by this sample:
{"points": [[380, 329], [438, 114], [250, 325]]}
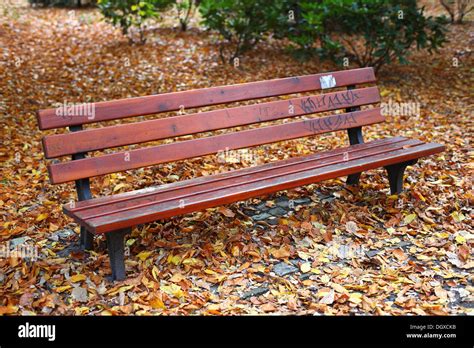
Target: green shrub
{"points": [[457, 9], [62, 3], [240, 23], [129, 14], [185, 9], [368, 32]]}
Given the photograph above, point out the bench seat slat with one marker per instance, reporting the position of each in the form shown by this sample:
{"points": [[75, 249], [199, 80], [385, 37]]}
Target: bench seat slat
{"points": [[103, 204], [125, 160], [331, 167], [139, 132], [139, 106], [257, 174], [150, 191]]}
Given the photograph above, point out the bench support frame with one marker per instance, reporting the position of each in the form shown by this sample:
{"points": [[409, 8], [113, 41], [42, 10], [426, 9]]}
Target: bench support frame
{"points": [[355, 137], [83, 190], [395, 175], [116, 250]]}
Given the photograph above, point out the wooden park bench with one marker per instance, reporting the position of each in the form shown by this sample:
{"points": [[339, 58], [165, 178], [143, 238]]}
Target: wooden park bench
{"points": [[115, 215]]}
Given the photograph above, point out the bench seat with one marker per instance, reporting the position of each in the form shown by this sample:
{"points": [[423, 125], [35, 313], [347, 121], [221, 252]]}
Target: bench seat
{"points": [[125, 210]]}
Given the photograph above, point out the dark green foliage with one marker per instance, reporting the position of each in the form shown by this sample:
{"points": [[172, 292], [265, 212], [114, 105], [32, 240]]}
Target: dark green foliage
{"points": [[129, 14], [240, 23], [368, 32], [62, 3]]}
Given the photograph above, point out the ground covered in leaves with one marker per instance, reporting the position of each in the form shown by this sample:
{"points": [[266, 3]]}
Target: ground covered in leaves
{"points": [[321, 249]]}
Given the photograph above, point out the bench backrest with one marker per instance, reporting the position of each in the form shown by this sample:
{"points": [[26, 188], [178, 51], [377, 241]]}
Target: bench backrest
{"points": [[80, 141]]}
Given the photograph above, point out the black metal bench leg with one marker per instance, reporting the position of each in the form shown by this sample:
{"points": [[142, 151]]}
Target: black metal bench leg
{"points": [[116, 249], [87, 239], [395, 175], [353, 179], [355, 137]]}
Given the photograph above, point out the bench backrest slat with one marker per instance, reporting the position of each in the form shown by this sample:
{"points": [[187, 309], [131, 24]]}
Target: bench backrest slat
{"points": [[140, 132], [143, 157], [117, 109]]}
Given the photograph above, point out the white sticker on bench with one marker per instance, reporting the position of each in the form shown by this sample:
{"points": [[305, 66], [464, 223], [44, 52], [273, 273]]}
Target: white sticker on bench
{"points": [[327, 81]]}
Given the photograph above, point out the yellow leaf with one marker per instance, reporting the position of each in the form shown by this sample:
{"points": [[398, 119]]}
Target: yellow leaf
{"points": [[355, 297], [409, 219], [339, 288], [77, 278], [174, 259], [235, 251], [457, 216], [191, 261], [41, 217], [81, 310], [305, 267], [155, 272], [323, 292], [323, 259], [119, 186], [460, 239], [112, 292], [173, 289], [8, 309], [214, 307], [63, 288], [156, 303], [210, 271], [325, 278], [22, 210], [144, 255], [176, 278], [303, 255], [423, 257]]}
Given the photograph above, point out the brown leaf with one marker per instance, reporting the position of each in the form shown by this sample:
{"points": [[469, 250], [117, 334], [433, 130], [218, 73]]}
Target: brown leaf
{"points": [[226, 212], [268, 307], [399, 254], [282, 253]]}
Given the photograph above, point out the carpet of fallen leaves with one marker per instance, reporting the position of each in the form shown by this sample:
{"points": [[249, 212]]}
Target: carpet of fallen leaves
{"points": [[343, 251]]}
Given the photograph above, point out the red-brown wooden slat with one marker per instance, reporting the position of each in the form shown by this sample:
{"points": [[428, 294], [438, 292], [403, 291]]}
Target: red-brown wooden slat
{"points": [[140, 132], [304, 163], [245, 191], [121, 161], [212, 179], [111, 110]]}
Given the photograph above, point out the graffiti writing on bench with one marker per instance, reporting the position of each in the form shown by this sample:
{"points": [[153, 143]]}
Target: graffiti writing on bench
{"points": [[343, 99], [330, 123]]}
